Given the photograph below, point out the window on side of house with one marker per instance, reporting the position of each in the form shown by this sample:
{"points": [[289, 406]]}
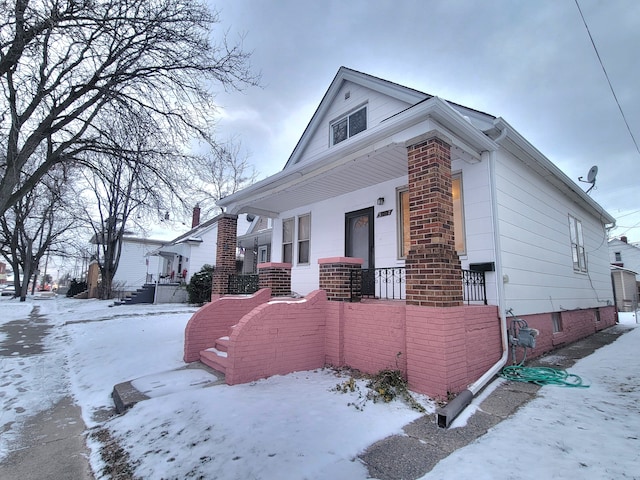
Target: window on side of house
{"points": [[578, 254], [404, 240], [304, 237], [262, 254], [348, 126], [556, 319], [287, 240], [618, 256], [596, 314]]}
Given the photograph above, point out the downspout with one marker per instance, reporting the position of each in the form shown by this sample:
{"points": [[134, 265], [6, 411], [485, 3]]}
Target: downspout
{"points": [[449, 412]]}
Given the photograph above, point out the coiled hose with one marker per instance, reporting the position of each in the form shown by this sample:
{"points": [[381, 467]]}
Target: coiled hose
{"points": [[542, 376]]}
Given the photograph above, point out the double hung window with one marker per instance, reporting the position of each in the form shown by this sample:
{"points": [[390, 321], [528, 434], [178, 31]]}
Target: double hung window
{"points": [[348, 126], [578, 254], [296, 231]]}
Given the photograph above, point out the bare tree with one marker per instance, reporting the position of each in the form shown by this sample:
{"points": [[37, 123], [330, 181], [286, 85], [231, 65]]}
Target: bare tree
{"points": [[126, 184], [223, 170], [66, 65], [38, 224]]}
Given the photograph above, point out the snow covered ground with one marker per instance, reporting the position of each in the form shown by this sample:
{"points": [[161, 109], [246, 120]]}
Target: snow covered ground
{"points": [[293, 426]]}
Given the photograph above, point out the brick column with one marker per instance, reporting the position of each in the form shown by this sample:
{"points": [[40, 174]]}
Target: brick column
{"points": [[225, 254], [276, 276], [434, 276], [335, 277]]}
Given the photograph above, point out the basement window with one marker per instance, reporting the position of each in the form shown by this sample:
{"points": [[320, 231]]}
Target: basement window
{"points": [[556, 318], [348, 126]]}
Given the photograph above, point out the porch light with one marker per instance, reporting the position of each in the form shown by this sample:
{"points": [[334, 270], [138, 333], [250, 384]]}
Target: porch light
{"points": [[380, 201]]}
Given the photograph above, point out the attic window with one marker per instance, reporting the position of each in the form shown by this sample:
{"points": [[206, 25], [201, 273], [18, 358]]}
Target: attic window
{"points": [[348, 126]]}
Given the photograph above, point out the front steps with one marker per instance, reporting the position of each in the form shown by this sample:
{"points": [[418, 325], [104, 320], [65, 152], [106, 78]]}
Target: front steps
{"points": [[216, 357]]}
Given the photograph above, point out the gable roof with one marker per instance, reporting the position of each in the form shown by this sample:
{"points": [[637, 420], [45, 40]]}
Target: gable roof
{"points": [[469, 132], [408, 95]]}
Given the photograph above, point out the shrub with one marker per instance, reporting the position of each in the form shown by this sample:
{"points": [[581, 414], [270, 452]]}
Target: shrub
{"points": [[199, 288], [76, 287]]}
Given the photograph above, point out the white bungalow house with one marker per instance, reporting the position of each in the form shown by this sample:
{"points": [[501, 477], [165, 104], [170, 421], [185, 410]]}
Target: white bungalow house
{"points": [[344, 192], [417, 189]]}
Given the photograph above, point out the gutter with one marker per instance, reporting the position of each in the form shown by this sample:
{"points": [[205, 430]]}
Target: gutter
{"points": [[446, 414]]}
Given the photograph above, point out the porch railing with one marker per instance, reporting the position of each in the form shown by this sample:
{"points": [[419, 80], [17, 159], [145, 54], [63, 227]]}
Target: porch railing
{"points": [[390, 284], [242, 284], [474, 287], [382, 283]]}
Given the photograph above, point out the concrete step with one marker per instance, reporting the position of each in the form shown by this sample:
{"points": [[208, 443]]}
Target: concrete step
{"points": [[215, 359], [222, 344]]}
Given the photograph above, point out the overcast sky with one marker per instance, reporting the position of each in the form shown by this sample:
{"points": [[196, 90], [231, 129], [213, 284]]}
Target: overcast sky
{"points": [[530, 62]]}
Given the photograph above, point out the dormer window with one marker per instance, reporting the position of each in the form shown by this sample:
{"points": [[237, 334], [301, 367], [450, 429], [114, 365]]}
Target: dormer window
{"points": [[349, 125]]}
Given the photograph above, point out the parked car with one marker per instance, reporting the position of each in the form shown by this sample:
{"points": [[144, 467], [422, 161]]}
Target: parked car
{"points": [[7, 290]]}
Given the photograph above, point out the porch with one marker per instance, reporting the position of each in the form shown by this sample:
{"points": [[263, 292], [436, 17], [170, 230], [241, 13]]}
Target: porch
{"points": [[375, 283]]}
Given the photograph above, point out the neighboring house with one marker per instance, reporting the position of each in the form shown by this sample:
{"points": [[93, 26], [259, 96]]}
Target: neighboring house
{"points": [[626, 256], [417, 189], [255, 245], [136, 266], [187, 254], [625, 288]]}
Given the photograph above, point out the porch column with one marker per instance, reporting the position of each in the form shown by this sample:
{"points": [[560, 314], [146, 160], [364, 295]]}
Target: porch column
{"points": [[335, 277], [225, 254], [434, 275], [276, 276]]}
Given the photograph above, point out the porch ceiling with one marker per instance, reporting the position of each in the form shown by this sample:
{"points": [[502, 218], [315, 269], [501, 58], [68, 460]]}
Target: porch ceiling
{"points": [[361, 172]]}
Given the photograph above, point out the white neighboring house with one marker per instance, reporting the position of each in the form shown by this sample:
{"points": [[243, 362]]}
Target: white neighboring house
{"points": [[187, 254], [136, 266], [343, 193], [625, 261]]}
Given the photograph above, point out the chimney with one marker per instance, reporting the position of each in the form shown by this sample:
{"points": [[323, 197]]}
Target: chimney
{"points": [[195, 219], [624, 239]]}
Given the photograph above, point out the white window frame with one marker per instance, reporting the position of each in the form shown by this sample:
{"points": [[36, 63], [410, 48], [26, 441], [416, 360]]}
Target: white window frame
{"points": [[461, 224], [299, 240], [578, 252], [346, 117], [263, 254], [290, 242]]}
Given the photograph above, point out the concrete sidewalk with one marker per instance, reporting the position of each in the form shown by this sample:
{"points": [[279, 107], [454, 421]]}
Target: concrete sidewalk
{"points": [[52, 447], [424, 444]]}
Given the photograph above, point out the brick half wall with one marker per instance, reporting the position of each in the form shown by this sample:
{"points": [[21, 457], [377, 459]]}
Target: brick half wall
{"points": [[215, 319]]}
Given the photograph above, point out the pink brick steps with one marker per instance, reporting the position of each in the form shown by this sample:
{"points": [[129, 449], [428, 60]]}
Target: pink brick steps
{"points": [[216, 357]]}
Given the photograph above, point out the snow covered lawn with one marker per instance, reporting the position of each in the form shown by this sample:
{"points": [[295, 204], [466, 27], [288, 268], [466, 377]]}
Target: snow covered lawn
{"points": [[295, 426]]}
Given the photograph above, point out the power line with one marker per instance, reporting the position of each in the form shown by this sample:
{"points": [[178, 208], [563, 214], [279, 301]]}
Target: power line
{"points": [[624, 118]]}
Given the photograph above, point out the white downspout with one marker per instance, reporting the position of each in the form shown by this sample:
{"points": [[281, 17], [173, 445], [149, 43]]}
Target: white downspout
{"points": [[479, 384], [445, 415]]}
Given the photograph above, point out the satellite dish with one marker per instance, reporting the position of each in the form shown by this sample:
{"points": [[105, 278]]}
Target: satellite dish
{"points": [[591, 177]]}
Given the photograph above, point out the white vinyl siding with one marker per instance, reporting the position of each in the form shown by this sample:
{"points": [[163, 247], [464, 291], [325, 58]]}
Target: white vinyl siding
{"points": [[379, 108], [536, 257]]}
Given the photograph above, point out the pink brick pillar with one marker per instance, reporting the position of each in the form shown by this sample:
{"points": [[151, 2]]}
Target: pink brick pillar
{"points": [[276, 276], [434, 277], [225, 254], [335, 277]]}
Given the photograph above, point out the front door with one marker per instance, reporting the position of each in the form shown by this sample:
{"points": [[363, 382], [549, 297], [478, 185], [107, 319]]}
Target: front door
{"points": [[359, 243]]}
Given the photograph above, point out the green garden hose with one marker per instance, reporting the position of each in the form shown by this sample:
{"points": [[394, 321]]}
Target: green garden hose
{"points": [[542, 376]]}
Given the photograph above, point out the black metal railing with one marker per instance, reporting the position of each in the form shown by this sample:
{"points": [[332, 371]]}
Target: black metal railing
{"points": [[242, 284], [474, 287], [390, 284], [382, 283]]}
